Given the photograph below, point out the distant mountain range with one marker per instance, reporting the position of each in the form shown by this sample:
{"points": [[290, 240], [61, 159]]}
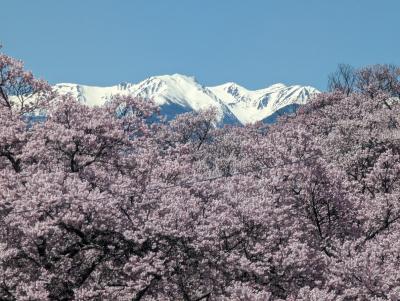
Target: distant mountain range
{"points": [[178, 93]]}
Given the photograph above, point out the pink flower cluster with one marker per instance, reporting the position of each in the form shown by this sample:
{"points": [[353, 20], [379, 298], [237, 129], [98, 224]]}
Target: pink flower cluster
{"points": [[105, 204]]}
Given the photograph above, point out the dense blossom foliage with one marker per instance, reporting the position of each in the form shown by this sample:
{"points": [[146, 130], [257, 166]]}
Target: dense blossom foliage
{"points": [[104, 203]]}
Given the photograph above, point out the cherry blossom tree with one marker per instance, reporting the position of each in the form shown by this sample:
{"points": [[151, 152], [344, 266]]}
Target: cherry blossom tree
{"points": [[115, 203]]}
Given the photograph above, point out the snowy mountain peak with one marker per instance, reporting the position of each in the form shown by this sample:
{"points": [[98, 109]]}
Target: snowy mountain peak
{"points": [[234, 89], [277, 86], [255, 105], [170, 80], [179, 93]]}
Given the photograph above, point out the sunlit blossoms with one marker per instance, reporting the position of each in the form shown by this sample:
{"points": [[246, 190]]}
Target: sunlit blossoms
{"points": [[114, 203]]}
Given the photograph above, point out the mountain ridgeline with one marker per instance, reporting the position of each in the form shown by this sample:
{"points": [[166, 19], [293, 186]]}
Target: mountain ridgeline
{"points": [[176, 94]]}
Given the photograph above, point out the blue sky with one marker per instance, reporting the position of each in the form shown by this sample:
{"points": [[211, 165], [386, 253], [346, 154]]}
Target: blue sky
{"points": [[252, 42]]}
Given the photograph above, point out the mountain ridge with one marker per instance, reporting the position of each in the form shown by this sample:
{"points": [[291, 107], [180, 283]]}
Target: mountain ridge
{"points": [[179, 93]]}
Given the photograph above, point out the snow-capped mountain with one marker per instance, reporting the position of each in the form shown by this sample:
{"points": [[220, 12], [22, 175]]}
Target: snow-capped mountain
{"points": [[177, 93], [250, 106]]}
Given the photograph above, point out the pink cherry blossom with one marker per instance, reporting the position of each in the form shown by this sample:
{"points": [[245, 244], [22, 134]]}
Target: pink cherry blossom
{"points": [[115, 203]]}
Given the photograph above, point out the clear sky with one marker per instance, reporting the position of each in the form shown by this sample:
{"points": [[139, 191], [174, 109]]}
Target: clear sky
{"points": [[252, 42]]}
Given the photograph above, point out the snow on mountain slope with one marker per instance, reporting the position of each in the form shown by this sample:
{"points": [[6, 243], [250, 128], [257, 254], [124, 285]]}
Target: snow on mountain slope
{"points": [[250, 106], [90, 95], [179, 93], [171, 92]]}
